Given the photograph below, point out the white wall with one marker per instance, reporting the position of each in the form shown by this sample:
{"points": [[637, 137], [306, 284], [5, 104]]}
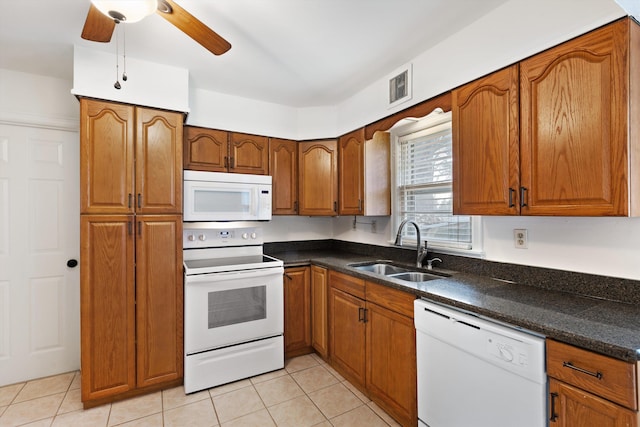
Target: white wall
{"points": [[30, 99], [148, 84]]}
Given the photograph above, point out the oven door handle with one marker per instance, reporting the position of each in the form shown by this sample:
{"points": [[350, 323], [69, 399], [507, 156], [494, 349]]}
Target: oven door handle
{"points": [[232, 275]]}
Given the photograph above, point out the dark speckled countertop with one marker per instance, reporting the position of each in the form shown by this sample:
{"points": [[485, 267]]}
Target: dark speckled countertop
{"points": [[601, 325]]}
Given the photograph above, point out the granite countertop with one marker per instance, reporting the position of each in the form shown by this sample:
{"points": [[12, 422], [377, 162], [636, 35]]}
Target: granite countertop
{"points": [[607, 327]]}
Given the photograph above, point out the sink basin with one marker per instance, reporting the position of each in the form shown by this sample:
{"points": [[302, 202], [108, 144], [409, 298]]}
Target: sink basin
{"points": [[414, 276], [380, 268], [397, 272]]}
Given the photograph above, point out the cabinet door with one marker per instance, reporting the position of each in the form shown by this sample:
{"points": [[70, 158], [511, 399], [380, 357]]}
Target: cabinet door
{"points": [[205, 149], [159, 297], [351, 173], [248, 154], [107, 305], [347, 335], [107, 132], [485, 145], [318, 177], [158, 161], [391, 362], [297, 311], [571, 407], [283, 164], [574, 111], [319, 311]]}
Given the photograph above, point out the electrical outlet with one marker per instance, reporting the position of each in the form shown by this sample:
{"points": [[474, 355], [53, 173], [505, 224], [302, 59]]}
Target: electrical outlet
{"points": [[520, 238]]}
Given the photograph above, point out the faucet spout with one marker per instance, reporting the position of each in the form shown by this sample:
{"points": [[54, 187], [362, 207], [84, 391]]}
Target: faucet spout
{"points": [[420, 253]]}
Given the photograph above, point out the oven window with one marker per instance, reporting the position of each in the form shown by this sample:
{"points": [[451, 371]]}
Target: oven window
{"points": [[222, 201], [230, 307]]}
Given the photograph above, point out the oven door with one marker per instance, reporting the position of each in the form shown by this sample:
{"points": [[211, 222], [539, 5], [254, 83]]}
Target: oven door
{"points": [[223, 309]]}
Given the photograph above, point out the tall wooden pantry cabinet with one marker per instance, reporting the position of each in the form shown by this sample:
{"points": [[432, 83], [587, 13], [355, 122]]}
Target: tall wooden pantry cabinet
{"points": [[131, 250]]}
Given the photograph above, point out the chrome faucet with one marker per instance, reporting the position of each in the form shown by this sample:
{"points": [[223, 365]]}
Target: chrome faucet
{"points": [[421, 253]]}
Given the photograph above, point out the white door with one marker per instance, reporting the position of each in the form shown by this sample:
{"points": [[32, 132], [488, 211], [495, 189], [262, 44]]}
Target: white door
{"points": [[39, 234]]}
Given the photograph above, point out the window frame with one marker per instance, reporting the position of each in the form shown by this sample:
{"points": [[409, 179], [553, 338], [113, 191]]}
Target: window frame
{"points": [[411, 126]]}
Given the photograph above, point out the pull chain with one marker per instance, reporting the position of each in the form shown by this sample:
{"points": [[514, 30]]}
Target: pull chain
{"points": [[117, 83], [124, 53]]}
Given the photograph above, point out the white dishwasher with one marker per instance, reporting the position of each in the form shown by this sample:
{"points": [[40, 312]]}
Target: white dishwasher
{"points": [[473, 372]]}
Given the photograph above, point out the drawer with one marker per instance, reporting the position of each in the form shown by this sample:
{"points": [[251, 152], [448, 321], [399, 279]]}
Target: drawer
{"points": [[392, 299], [349, 284], [603, 376]]}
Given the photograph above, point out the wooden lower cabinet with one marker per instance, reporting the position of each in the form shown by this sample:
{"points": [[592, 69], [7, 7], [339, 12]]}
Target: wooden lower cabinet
{"points": [[348, 334], [107, 306], [131, 305], [297, 311], [588, 389], [373, 342], [319, 311], [573, 407], [391, 362]]}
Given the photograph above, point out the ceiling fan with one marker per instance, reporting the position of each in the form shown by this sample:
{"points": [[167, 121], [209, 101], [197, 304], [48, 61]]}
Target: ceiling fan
{"points": [[105, 14]]}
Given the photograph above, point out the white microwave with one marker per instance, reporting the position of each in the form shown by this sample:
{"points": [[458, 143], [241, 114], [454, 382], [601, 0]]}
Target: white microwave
{"points": [[215, 196]]}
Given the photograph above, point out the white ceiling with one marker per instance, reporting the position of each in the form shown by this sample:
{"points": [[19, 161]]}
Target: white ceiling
{"points": [[292, 52]]}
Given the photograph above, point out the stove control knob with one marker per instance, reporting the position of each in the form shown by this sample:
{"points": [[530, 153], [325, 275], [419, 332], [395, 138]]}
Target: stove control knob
{"points": [[191, 237], [245, 236], [202, 237], [253, 235]]}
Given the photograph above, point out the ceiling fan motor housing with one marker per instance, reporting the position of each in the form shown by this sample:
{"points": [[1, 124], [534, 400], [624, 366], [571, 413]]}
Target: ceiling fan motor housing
{"points": [[126, 10]]}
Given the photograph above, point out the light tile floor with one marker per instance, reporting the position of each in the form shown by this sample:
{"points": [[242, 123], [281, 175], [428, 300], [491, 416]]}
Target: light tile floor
{"points": [[307, 392]]}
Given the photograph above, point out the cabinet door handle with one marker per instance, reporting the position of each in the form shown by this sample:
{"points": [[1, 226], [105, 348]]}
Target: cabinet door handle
{"points": [[233, 162], [139, 228], [359, 205], [130, 200], [139, 200], [511, 193], [295, 206], [335, 206], [523, 190], [366, 317], [360, 314], [226, 161], [554, 417], [570, 365], [130, 227], [287, 276]]}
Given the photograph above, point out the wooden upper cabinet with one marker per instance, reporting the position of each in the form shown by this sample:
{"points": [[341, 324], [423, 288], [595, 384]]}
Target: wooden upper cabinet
{"points": [[107, 133], [318, 177], [364, 174], [220, 151], [578, 135], [205, 149], [485, 145], [131, 159], [351, 173], [158, 168], [283, 165], [248, 154], [575, 130]]}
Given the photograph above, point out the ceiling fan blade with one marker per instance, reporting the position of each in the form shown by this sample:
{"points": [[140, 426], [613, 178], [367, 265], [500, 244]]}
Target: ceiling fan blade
{"points": [[98, 27], [192, 27]]}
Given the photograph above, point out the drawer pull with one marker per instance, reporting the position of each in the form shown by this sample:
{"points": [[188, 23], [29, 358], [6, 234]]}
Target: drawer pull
{"points": [[570, 365]]}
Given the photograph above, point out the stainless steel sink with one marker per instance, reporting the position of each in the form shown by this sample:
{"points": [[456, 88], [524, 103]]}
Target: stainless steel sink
{"points": [[380, 268], [415, 276], [397, 272]]}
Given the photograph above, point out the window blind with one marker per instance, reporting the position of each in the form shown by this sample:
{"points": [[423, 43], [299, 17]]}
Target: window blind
{"points": [[424, 188]]}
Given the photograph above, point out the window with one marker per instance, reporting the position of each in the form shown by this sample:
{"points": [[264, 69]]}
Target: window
{"points": [[424, 184]]}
